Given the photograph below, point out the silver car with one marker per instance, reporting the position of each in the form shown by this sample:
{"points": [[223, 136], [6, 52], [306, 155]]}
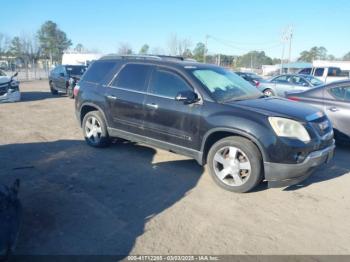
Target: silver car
{"points": [[279, 85]]}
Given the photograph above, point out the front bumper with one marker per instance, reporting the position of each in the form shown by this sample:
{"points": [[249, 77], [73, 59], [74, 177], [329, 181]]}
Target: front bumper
{"points": [[11, 97], [283, 175]]}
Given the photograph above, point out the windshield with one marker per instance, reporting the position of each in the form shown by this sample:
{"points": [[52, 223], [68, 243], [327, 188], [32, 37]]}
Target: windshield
{"points": [[225, 85], [75, 70], [314, 81]]}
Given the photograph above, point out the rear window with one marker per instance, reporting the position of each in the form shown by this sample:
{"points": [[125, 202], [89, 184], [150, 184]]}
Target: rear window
{"points": [[98, 71], [75, 70]]}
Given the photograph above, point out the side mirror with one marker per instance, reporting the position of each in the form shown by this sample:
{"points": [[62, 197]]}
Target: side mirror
{"points": [[187, 97]]}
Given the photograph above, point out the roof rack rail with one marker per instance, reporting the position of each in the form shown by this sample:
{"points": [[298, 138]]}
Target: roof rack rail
{"points": [[148, 57]]}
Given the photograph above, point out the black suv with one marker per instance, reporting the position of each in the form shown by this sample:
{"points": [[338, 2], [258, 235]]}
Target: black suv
{"points": [[63, 78], [204, 112]]}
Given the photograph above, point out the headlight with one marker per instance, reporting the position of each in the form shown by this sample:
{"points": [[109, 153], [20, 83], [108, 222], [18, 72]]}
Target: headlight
{"points": [[285, 127]]}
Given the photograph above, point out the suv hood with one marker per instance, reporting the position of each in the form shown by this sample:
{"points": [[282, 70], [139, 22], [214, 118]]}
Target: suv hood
{"points": [[4, 79], [273, 106]]}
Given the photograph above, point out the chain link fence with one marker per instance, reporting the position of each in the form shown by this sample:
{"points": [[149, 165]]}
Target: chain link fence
{"points": [[26, 72]]}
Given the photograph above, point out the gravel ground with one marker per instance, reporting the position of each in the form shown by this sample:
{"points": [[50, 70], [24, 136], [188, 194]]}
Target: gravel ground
{"points": [[135, 199]]}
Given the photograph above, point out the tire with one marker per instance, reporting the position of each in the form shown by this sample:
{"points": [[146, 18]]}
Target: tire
{"points": [[269, 92], [227, 166], [52, 89], [98, 136], [70, 93]]}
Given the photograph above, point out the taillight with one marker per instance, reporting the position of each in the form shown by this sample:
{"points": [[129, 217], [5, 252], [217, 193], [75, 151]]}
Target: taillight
{"points": [[294, 98], [76, 90], [257, 83]]}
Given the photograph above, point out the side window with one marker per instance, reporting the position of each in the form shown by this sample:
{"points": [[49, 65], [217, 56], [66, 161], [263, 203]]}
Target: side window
{"points": [[319, 71], [341, 92], [332, 71], [167, 84], [305, 71], [98, 71], [299, 81], [133, 77], [281, 79]]}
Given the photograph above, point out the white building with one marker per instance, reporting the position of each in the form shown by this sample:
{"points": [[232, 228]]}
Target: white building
{"points": [[74, 58]]}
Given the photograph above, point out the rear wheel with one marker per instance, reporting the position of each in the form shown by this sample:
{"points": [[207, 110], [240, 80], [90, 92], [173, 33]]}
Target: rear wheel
{"points": [[268, 92], [235, 164], [52, 89], [95, 130]]}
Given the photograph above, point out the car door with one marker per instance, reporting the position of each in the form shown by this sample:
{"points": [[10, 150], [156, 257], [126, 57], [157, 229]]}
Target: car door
{"points": [[169, 120], [61, 79], [282, 85], [337, 107], [125, 97]]}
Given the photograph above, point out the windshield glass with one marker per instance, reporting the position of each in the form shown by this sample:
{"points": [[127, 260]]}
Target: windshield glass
{"points": [[314, 81], [75, 70], [225, 85]]}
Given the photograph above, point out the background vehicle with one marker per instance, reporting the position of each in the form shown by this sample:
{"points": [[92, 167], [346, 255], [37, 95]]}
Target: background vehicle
{"points": [[59, 77], [281, 84], [9, 88], [334, 99], [204, 112], [326, 74], [252, 78]]}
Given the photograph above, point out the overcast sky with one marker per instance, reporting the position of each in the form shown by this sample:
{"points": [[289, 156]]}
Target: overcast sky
{"points": [[235, 26]]}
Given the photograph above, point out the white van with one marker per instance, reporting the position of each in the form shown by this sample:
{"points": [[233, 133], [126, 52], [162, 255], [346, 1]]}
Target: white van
{"points": [[326, 74]]}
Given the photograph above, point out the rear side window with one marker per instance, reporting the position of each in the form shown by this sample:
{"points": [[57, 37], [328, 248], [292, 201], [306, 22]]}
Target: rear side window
{"points": [[305, 71], [341, 92], [168, 84], [319, 71], [133, 77], [98, 71], [281, 79], [334, 71]]}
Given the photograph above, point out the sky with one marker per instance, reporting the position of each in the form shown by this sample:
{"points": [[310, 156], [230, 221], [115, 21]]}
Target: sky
{"points": [[234, 27]]}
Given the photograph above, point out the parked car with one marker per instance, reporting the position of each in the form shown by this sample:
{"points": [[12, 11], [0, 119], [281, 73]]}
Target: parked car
{"points": [[60, 78], [279, 85], [204, 112], [334, 99], [252, 78], [326, 74], [9, 88]]}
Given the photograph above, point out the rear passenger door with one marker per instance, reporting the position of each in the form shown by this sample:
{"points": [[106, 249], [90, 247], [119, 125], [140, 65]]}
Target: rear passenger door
{"points": [[126, 95], [169, 120]]}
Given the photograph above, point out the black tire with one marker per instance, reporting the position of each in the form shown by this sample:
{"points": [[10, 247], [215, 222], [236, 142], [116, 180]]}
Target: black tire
{"points": [[52, 89], [103, 139], [250, 151], [70, 93], [269, 92]]}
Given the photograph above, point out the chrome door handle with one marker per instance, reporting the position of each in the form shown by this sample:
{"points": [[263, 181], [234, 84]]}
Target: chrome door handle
{"points": [[112, 97], [154, 106], [333, 109]]}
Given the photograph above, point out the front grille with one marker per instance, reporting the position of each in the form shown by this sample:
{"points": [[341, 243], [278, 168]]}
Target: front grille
{"points": [[4, 88]]}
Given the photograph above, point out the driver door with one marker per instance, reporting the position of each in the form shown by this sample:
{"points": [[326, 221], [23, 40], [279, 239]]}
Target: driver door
{"points": [[166, 119]]}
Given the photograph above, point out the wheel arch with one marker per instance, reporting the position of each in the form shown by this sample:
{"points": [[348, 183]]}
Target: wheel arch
{"points": [[214, 135], [88, 107]]}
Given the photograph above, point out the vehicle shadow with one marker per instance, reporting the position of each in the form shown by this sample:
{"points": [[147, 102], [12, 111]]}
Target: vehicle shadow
{"points": [[80, 200], [339, 166], [37, 95]]}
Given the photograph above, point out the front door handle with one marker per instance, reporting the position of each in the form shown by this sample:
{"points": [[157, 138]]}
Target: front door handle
{"points": [[333, 109], [112, 97], [153, 105]]}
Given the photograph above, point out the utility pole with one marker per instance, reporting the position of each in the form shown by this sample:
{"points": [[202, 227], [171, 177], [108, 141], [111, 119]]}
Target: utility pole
{"points": [[286, 36], [290, 45], [205, 49]]}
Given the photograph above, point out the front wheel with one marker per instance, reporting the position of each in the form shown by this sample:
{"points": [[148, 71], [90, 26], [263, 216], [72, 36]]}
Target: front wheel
{"points": [[235, 164], [52, 89], [95, 129]]}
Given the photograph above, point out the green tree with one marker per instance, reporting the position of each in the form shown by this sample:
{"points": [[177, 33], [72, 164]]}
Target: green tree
{"points": [[346, 57], [79, 48], [53, 41], [313, 54], [144, 49], [187, 53], [16, 47], [254, 59], [199, 51]]}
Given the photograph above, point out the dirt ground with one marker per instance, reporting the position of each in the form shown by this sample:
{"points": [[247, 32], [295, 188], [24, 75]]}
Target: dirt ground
{"points": [[135, 199]]}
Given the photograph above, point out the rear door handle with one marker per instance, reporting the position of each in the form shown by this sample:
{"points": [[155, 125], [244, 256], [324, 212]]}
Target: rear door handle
{"points": [[333, 109], [112, 97], [153, 105]]}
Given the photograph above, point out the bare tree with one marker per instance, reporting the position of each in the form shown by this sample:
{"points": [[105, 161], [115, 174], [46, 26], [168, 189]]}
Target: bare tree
{"points": [[124, 49], [178, 46], [173, 45]]}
